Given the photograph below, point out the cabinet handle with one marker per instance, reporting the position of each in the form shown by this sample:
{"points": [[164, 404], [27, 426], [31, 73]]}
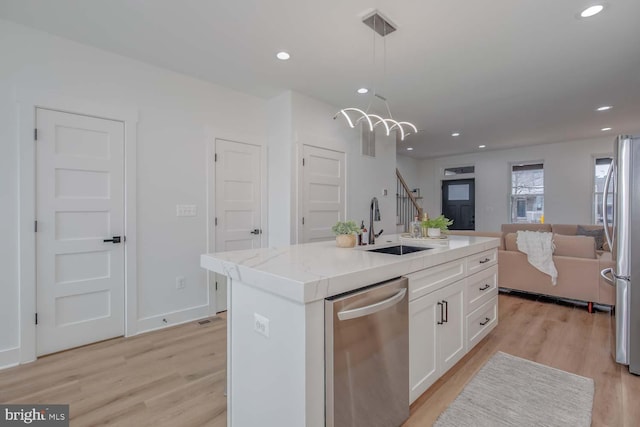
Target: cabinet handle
{"points": [[485, 287], [482, 261], [446, 311], [486, 320], [441, 321]]}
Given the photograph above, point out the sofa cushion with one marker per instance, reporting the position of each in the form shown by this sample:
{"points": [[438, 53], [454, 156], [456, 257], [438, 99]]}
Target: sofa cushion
{"points": [[605, 256], [575, 246], [510, 242], [566, 229], [512, 228], [597, 234]]}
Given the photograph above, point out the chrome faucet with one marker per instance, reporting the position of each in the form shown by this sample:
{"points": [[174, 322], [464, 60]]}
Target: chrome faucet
{"points": [[374, 215]]}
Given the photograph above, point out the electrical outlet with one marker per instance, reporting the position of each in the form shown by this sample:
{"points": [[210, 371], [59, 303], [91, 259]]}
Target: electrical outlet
{"points": [[261, 324], [180, 282]]}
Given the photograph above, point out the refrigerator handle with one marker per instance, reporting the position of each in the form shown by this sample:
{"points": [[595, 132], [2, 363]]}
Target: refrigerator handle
{"points": [[605, 192], [605, 275]]}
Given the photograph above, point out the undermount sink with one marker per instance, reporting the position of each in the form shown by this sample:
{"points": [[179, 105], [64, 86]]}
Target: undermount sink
{"points": [[399, 249]]}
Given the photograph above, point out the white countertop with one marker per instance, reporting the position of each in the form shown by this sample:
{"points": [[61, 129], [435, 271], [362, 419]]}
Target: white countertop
{"points": [[313, 271]]}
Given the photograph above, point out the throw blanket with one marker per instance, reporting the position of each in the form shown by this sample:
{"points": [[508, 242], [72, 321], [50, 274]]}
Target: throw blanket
{"points": [[539, 249]]}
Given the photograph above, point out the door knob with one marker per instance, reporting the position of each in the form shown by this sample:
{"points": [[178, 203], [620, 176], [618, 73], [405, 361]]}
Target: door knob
{"points": [[115, 239], [256, 231]]}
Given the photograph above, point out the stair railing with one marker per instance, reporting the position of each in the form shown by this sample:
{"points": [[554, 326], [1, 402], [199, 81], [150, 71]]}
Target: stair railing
{"points": [[406, 204]]}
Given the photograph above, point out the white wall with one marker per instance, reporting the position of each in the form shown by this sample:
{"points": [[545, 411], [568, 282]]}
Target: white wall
{"points": [[568, 180], [409, 168], [174, 111], [281, 186]]}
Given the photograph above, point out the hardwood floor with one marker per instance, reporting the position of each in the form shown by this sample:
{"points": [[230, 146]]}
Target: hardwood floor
{"points": [[171, 377], [556, 335], [176, 376]]}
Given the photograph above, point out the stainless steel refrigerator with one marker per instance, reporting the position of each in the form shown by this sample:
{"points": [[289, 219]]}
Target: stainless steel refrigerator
{"points": [[623, 181]]}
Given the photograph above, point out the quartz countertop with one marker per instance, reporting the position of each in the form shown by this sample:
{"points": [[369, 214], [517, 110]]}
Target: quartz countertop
{"points": [[314, 271]]}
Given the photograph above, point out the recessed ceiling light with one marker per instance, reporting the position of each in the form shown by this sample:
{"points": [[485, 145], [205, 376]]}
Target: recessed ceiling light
{"points": [[605, 129], [409, 148], [592, 10], [283, 56], [363, 90], [604, 108], [482, 146], [455, 134]]}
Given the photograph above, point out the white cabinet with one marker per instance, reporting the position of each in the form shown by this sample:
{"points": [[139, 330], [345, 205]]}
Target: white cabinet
{"points": [[452, 306], [481, 287], [436, 336], [431, 279], [481, 322], [481, 260]]}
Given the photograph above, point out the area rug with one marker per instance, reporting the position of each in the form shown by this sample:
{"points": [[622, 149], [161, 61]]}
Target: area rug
{"points": [[510, 391]]}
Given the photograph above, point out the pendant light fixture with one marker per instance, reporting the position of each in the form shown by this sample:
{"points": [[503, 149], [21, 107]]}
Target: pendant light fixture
{"points": [[355, 116]]}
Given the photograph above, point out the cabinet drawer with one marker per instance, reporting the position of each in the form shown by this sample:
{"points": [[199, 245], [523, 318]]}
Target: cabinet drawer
{"points": [[481, 287], [478, 262], [426, 281], [481, 322]]}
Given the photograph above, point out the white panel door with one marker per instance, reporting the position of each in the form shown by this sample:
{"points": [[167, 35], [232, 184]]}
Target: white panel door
{"points": [[323, 192], [80, 203], [238, 203]]}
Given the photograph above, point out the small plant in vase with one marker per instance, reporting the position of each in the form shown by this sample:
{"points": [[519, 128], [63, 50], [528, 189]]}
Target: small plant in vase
{"points": [[346, 232], [436, 225]]}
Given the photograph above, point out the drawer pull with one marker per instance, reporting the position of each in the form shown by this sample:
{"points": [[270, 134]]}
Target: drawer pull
{"points": [[485, 287], [441, 321], [482, 261], [486, 320]]}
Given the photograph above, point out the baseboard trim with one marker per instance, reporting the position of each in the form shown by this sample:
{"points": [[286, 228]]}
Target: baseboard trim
{"points": [[9, 358], [173, 318]]}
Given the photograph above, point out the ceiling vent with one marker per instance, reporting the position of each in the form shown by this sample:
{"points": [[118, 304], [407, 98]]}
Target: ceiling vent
{"points": [[379, 23]]}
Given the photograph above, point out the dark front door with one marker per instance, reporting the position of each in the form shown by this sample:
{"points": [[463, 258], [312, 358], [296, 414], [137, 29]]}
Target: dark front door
{"points": [[459, 203]]}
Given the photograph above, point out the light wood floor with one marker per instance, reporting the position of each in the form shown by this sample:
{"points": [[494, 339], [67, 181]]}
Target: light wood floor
{"points": [[555, 335], [172, 377], [175, 377]]}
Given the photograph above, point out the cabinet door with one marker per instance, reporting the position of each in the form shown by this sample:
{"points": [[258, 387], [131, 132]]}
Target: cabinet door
{"points": [[424, 313], [450, 335]]}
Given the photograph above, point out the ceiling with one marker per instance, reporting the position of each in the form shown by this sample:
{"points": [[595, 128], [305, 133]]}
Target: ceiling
{"points": [[503, 73]]}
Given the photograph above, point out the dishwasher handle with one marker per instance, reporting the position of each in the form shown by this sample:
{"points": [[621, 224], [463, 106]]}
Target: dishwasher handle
{"points": [[373, 308]]}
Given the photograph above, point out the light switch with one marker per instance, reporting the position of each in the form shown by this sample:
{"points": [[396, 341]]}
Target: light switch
{"points": [[186, 210]]}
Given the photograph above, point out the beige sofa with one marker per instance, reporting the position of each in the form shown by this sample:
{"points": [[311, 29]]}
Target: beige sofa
{"points": [[575, 257]]}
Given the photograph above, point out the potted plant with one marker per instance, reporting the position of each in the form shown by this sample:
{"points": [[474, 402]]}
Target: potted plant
{"points": [[346, 232], [436, 225]]}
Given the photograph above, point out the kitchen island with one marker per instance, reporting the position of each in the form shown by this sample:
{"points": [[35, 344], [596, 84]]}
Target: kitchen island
{"points": [[275, 348]]}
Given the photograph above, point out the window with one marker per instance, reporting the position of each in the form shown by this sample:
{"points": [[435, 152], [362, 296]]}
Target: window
{"points": [[527, 193], [459, 170], [601, 167]]}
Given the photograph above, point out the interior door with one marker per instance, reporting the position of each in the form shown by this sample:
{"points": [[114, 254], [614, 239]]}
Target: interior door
{"points": [[238, 203], [459, 203], [80, 230], [323, 192]]}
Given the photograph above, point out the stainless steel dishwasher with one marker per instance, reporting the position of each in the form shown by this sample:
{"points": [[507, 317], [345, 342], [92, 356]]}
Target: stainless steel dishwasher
{"points": [[367, 356]]}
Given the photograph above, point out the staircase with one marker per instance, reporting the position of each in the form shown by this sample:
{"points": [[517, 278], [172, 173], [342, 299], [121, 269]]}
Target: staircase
{"points": [[407, 207]]}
